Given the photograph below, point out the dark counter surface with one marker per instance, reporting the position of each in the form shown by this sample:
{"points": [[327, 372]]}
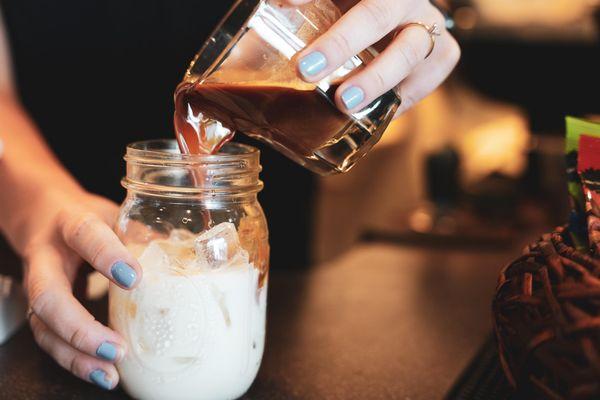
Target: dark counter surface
{"points": [[381, 322]]}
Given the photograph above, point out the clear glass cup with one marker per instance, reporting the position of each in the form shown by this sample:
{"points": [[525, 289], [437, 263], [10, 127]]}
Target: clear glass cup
{"points": [[195, 324], [245, 76]]}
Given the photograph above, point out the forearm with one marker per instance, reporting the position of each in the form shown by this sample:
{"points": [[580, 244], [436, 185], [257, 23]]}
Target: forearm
{"points": [[29, 172]]}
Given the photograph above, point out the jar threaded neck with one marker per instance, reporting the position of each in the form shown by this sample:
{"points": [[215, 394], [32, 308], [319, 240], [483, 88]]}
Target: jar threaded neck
{"points": [[157, 167]]}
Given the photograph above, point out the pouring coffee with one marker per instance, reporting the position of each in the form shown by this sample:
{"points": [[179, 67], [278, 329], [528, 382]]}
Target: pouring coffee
{"points": [[244, 79]]}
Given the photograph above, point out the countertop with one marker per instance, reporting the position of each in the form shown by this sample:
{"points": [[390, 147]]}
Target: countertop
{"points": [[381, 322]]}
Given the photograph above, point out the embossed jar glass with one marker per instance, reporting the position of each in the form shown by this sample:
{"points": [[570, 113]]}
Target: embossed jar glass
{"points": [[195, 324]]}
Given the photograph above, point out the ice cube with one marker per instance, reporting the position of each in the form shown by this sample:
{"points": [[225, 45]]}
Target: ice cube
{"points": [[154, 258], [181, 235], [180, 253], [220, 246], [215, 135]]}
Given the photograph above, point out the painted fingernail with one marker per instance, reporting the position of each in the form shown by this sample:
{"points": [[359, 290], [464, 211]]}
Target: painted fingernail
{"points": [[98, 377], [352, 97], [313, 64], [123, 274], [107, 351]]}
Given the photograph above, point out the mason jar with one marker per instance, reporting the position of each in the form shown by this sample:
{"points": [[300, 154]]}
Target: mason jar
{"points": [[195, 324]]}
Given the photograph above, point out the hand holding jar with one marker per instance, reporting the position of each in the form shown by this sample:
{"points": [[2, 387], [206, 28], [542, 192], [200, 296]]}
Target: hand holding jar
{"points": [[63, 231]]}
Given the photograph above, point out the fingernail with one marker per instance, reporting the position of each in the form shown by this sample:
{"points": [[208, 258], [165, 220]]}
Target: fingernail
{"points": [[352, 97], [123, 274], [99, 378], [313, 63], [108, 351]]}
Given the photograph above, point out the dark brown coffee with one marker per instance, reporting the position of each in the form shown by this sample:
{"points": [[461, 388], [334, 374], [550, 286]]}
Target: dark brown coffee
{"points": [[300, 120]]}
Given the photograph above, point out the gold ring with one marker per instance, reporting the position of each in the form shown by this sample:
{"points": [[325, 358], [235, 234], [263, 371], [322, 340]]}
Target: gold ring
{"points": [[432, 31]]}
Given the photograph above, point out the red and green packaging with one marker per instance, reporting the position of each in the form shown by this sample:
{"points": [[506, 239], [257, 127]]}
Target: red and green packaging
{"points": [[578, 225], [588, 166]]}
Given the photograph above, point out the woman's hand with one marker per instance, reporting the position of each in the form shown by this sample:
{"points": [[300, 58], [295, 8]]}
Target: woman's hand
{"points": [[54, 225], [404, 64], [63, 230]]}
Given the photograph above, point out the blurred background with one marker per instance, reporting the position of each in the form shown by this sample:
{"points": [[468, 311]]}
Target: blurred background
{"points": [[480, 162]]}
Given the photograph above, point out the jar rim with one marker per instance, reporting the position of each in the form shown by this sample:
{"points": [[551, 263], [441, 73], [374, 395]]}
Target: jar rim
{"points": [[157, 167], [167, 150]]}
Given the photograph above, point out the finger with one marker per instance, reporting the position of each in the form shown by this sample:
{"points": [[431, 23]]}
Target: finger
{"points": [[364, 24], [106, 209], [430, 74], [88, 368], [51, 300], [96, 243], [398, 60]]}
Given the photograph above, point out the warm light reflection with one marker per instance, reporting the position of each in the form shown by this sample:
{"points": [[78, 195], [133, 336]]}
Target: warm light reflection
{"points": [[534, 12], [497, 146], [465, 17]]}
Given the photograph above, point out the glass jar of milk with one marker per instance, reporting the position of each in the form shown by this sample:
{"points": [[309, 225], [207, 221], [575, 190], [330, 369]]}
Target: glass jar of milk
{"points": [[195, 324]]}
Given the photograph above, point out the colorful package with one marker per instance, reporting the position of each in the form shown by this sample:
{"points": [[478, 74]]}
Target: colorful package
{"points": [[588, 166], [577, 218]]}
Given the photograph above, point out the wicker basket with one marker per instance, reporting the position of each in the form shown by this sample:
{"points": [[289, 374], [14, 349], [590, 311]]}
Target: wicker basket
{"points": [[547, 321]]}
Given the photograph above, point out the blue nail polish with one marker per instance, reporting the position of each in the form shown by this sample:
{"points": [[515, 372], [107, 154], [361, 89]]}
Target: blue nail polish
{"points": [[123, 274], [99, 378], [352, 97], [313, 64], [108, 351]]}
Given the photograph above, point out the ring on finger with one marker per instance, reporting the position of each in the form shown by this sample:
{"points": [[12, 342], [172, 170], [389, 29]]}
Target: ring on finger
{"points": [[432, 30]]}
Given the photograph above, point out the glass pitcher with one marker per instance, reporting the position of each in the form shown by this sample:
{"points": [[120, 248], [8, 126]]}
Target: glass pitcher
{"points": [[245, 79]]}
